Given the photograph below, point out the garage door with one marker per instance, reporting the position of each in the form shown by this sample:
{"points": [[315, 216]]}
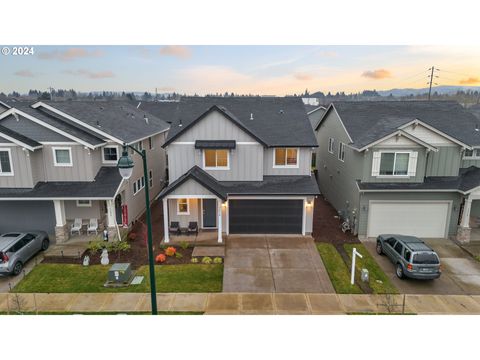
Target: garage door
{"points": [[27, 215], [265, 216], [422, 219]]}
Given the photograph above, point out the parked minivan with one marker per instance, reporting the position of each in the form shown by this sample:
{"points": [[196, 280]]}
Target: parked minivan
{"points": [[411, 256]]}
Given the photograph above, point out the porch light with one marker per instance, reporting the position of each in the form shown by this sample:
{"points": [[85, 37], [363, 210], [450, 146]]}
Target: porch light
{"points": [[309, 203], [125, 164], [224, 204]]}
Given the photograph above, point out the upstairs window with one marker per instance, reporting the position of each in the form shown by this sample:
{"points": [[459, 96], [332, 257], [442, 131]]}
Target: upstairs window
{"points": [[472, 154], [216, 159], [5, 162], [394, 163], [110, 154], [150, 143], [341, 151], [62, 156], [285, 157], [331, 142]]}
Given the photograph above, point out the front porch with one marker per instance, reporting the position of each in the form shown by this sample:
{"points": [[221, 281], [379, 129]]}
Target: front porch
{"points": [[469, 228]]}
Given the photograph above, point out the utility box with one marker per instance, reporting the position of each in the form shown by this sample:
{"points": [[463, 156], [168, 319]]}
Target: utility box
{"points": [[364, 275], [120, 273]]}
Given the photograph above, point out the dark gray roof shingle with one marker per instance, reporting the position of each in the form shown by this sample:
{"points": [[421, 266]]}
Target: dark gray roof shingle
{"points": [[104, 186], [368, 121], [19, 137]]}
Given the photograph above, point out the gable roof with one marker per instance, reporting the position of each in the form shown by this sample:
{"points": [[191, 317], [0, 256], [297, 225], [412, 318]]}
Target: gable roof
{"points": [[277, 121], [368, 121], [19, 139]]}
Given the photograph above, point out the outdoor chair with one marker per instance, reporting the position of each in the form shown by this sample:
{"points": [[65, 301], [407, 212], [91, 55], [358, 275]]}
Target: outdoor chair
{"points": [[76, 226], [93, 226], [174, 227], [193, 227]]}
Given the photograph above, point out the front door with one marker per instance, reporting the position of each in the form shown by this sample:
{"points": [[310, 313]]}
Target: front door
{"points": [[209, 213]]}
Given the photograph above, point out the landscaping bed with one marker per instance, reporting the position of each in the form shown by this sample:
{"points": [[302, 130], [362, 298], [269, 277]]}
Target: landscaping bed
{"points": [[73, 278]]}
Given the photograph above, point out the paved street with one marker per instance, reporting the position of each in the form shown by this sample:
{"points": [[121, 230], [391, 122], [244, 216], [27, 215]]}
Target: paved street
{"points": [[460, 276], [288, 264]]}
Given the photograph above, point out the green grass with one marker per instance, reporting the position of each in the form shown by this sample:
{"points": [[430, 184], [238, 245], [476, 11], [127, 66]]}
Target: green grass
{"points": [[374, 270], [66, 278], [337, 270]]}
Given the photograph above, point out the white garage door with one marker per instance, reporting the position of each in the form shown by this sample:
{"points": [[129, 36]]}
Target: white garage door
{"points": [[422, 219]]}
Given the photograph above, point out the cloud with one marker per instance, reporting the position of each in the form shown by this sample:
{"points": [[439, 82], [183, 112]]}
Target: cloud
{"points": [[377, 74], [179, 51], [90, 74], [303, 76], [470, 81], [70, 54], [24, 73]]}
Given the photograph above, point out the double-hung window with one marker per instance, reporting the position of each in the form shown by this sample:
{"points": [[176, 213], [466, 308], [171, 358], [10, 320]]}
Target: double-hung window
{"points": [[341, 151], [394, 163], [182, 207], [110, 154], [6, 168], [216, 159], [285, 157], [62, 156], [331, 142]]}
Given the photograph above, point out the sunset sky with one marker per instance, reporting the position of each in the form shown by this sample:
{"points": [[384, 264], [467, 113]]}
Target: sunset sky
{"points": [[266, 70]]}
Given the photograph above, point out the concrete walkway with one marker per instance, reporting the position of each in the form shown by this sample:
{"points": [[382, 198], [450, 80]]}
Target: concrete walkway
{"points": [[242, 303]]}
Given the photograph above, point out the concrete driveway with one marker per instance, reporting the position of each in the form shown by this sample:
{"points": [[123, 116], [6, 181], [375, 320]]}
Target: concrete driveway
{"points": [[460, 276], [11, 281], [288, 264]]}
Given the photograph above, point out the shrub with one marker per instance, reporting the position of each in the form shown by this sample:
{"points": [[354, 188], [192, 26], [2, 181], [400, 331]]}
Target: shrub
{"points": [[217, 260], [119, 246], [178, 255], [194, 260], [184, 245], [206, 260], [170, 251], [95, 246], [160, 258]]}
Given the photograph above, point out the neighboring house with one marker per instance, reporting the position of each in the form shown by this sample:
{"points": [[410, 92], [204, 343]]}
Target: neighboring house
{"points": [[58, 162], [241, 165], [315, 113], [408, 167]]}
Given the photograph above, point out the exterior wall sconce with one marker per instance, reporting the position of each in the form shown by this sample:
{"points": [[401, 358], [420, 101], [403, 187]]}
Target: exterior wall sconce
{"points": [[224, 204], [309, 203]]}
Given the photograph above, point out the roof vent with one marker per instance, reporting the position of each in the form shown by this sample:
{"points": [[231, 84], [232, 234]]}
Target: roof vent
{"points": [[180, 124], [251, 116], [98, 123], [101, 107], [145, 118], [140, 103], [477, 128], [16, 116], [281, 112]]}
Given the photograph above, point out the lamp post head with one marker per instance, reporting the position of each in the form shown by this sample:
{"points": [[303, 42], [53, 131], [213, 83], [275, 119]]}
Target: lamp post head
{"points": [[125, 164]]}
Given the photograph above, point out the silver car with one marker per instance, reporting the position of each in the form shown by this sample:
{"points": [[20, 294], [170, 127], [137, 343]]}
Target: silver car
{"points": [[411, 256], [16, 248]]}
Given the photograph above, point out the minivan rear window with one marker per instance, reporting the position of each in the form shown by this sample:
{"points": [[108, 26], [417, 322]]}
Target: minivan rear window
{"points": [[425, 258]]}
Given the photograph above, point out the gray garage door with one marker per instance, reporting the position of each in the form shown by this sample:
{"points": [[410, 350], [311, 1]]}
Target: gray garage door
{"points": [[265, 216], [27, 215]]}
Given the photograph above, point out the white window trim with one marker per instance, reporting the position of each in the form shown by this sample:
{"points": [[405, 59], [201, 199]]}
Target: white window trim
{"points": [[394, 162], [103, 154], [216, 167], [331, 145], [138, 188], [178, 207], [84, 205], [286, 166], [54, 149], [11, 173], [474, 156], [341, 150]]}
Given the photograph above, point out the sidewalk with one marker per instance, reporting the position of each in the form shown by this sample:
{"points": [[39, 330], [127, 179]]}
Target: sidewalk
{"points": [[242, 303]]}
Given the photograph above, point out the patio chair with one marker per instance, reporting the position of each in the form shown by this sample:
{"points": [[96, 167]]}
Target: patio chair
{"points": [[93, 226], [76, 226], [192, 227], [174, 227]]}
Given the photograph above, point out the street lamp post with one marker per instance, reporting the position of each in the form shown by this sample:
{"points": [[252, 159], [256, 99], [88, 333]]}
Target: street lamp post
{"points": [[125, 167]]}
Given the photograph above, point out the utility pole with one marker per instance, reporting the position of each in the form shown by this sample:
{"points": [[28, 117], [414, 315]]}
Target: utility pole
{"points": [[431, 81]]}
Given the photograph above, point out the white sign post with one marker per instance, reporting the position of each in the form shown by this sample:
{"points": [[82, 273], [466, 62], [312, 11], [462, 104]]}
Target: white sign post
{"points": [[354, 253]]}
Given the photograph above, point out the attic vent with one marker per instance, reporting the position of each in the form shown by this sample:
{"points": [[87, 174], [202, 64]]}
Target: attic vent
{"points": [[251, 116]]}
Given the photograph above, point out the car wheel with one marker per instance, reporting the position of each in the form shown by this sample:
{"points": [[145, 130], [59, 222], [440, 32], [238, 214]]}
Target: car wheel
{"points": [[17, 268], [399, 271], [45, 244], [379, 248]]}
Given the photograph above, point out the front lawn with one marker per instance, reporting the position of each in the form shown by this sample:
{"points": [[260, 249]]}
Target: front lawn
{"points": [[68, 278], [378, 281], [337, 270]]}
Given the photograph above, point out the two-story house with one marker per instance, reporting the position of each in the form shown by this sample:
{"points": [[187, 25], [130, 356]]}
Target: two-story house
{"points": [[240, 165], [58, 163], [408, 167]]}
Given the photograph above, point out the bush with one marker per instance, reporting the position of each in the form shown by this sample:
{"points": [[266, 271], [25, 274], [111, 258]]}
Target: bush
{"points": [[217, 260], [207, 260], [118, 246], [160, 258], [170, 251], [95, 246], [194, 260], [184, 245], [178, 255]]}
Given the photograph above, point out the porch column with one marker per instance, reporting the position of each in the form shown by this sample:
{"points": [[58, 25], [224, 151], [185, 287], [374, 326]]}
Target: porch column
{"points": [[466, 212], [61, 228], [111, 220], [165, 221], [219, 213]]}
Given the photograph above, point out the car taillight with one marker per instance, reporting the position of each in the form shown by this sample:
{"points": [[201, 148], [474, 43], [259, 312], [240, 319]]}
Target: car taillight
{"points": [[4, 257], [410, 267]]}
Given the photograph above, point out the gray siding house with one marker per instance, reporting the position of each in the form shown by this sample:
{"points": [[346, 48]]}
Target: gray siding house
{"points": [[58, 163], [409, 167], [240, 165]]}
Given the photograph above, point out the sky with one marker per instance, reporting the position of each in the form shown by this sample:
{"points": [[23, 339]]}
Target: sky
{"points": [[264, 70]]}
